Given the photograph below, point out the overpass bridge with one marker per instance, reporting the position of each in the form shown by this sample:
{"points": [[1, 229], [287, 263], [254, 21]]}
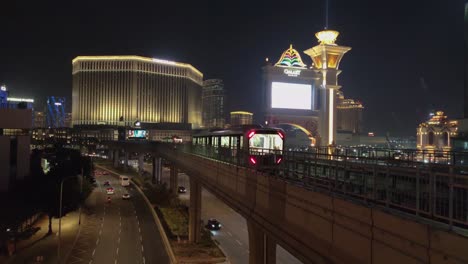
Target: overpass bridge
{"points": [[329, 209]]}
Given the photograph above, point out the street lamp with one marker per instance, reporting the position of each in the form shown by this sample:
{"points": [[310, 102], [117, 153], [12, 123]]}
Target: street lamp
{"points": [[60, 213]]}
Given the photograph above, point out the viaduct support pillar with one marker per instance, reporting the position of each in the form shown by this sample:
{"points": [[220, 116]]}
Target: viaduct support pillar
{"points": [[141, 163], [116, 158], [157, 170], [110, 154], [173, 180], [262, 249], [126, 160], [195, 211]]}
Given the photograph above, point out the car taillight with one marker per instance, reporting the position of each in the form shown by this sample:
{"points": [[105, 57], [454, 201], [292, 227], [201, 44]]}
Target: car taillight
{"points": [[253, 160], [278, 161]]}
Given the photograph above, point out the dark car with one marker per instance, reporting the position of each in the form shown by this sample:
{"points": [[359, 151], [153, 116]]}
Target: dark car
{"points": [[182, 189], [213, 224], [106, 183]]}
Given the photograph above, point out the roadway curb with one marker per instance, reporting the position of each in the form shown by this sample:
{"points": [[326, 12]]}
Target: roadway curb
{"points": [[166, 243], [74, 243]]}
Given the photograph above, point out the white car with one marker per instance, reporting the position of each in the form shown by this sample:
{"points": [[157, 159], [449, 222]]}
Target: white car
{"points": [[125, 196]]}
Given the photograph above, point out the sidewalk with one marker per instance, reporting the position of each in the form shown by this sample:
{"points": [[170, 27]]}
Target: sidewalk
{"points": [[46, 246]]}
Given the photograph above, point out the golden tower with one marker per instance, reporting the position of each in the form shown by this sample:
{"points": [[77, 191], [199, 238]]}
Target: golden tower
{"points": [[326, 57]]}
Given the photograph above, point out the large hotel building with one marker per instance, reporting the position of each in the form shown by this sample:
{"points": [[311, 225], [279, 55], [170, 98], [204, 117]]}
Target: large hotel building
{"points": [[120, 90]]}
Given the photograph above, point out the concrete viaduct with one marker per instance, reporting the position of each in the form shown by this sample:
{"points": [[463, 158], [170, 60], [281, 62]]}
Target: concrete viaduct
{"points": [[314, 226]]}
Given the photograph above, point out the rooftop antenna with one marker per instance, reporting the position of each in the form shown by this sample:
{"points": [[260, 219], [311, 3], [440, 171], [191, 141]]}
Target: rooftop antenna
{"points": [[326, 14]]}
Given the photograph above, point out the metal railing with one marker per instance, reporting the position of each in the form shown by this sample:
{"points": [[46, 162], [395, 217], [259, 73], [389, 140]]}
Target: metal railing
{"points": [[428, 190]]}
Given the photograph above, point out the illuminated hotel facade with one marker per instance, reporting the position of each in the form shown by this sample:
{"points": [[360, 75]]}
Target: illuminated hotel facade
{"points": [[302, 96], [436, 134], [120, 90], [291, 93], [348, 114], [239, 118]]}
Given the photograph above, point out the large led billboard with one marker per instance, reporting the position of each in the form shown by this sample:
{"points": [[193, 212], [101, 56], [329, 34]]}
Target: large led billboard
{"points": [[136, 134], [291, 95]]}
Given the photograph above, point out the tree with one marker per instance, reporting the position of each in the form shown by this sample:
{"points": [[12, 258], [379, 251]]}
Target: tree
{"points": [[65, 163]]}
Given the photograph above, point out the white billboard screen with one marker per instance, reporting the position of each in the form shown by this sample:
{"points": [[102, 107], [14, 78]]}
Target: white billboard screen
{"points": [[291, 96]]}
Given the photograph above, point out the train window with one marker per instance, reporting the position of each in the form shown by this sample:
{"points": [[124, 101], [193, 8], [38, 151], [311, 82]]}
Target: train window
{"points": [[234, 141], [266, 141], [225, 141]]}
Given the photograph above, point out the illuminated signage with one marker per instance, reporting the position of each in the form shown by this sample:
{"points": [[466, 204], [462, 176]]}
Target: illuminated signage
{"points": [[3, 88], [12, 99], [291, 96], [293, 73], [137, 134], [57, 104]]}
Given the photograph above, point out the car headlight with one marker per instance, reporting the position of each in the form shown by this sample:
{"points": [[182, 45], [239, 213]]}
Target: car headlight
{"points": [[212, 225]]}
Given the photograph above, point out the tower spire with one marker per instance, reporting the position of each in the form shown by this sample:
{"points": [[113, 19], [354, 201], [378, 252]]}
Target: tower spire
{"points": [[326, 14]]}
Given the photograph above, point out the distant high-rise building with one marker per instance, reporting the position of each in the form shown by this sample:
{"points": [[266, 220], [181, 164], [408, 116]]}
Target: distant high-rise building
{"points": [[68, 119], [241, 118], [213, 97], [436, 133], [107, 89], [348, 114], [55, 112], [39, 119]]}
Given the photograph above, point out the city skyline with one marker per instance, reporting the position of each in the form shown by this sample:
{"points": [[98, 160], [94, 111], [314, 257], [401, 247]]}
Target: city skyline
{"points": [[405, 58]]}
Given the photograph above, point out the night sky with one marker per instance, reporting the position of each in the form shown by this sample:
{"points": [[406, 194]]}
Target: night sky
{"points": [[406, 57]]}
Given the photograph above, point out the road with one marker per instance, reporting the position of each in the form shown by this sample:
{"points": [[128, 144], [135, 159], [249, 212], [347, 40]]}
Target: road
{"points": [[233, 236], [122, 231]]}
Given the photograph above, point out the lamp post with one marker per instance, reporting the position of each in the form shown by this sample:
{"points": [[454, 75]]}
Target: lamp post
{"points": [[81, 194], [60, 216]]}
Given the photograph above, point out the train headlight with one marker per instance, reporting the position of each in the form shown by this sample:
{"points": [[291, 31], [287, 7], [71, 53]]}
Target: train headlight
{"points": [[253, 160], [251, 134], [281, 135]]}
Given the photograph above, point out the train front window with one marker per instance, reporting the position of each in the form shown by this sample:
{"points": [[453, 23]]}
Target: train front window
{"points": [[266, 141]]}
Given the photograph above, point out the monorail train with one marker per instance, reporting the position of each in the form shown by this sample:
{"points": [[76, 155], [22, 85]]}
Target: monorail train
{"points": [[250, 145]]}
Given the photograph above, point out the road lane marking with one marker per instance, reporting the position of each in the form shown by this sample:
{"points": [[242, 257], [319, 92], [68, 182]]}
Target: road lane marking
{"points": [[141, 238], [229, 233], [142, 249], [115, 261], [139, 230], [144, 261], [94, 251], [238, 242], [97, 241], [118, 241], [117, 251]]}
